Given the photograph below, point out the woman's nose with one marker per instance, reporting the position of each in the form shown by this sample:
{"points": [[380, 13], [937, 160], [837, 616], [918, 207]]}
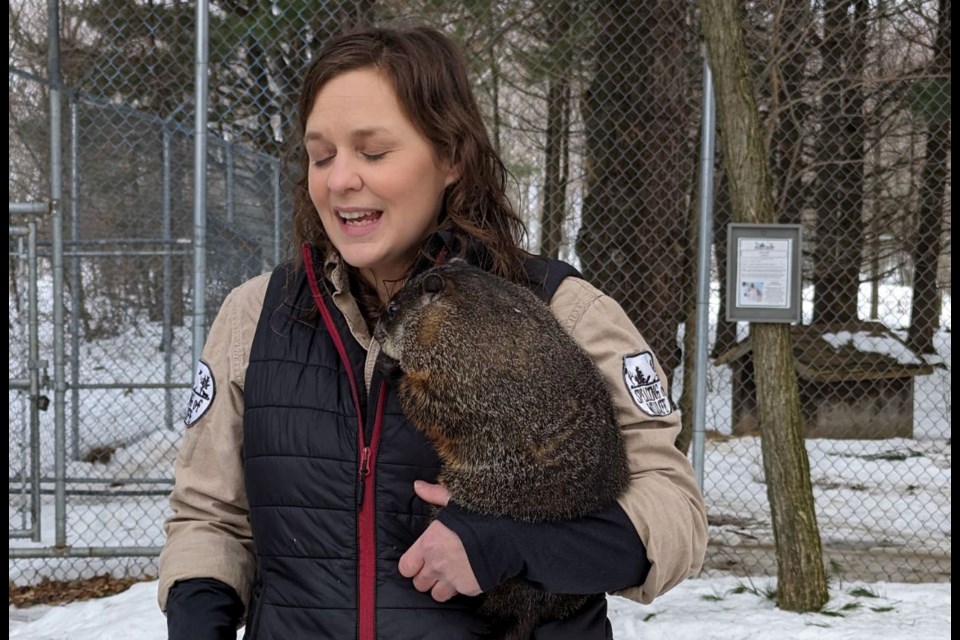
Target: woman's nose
{"points": [[343, 175]]}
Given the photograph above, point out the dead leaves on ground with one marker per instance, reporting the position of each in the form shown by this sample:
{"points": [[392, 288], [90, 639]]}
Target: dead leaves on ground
{"points": [[64, 591]]}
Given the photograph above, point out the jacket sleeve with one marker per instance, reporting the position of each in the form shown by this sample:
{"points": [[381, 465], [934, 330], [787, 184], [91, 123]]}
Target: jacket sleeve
{"points": [[662, 500], [598, 552], [208, 532], [203, 609]]}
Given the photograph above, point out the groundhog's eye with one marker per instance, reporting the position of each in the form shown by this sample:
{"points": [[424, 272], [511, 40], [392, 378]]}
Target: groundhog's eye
{"points": [[392, 309], [433, 284]]}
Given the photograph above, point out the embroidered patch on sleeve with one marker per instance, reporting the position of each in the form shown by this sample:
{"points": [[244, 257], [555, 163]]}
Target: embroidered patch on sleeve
{"points": [[204, 389], [643, 383]]}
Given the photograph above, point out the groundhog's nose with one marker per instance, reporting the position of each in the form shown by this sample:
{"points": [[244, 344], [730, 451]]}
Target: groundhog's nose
{"points": [[392, 308]]}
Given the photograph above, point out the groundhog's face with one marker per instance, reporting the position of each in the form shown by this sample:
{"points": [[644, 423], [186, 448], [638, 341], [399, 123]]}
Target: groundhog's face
{"points": [[411, 323]]}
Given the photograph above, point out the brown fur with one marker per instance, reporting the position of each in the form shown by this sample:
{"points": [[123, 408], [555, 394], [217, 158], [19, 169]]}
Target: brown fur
{"points": [[520, 416], [430, 329]]}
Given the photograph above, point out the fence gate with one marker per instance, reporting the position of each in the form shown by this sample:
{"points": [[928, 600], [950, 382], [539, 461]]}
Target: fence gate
{"points": [[28, 374]]}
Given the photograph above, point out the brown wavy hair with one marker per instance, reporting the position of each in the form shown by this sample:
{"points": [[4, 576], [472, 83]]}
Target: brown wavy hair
{"points": [[429, 77]]}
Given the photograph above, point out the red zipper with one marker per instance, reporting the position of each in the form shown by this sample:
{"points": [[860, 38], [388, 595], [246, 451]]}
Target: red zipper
{"points": [[366, 469], [366, 525]]}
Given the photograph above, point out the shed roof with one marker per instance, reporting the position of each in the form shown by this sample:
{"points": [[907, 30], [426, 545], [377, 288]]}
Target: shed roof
{"points": [[835, 352]]}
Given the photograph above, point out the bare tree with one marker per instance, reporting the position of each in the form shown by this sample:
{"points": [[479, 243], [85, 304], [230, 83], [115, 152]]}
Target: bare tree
{"points": [[840, 170], [925, 312], [791, 33], [557, 161], [726, 331], [639, 163], [801, 582]]}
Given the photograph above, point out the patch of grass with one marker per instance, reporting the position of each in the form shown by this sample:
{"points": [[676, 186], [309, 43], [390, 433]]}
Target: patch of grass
{"points": [[648, 617], [770, 593], [855, 605], [835, 572]]}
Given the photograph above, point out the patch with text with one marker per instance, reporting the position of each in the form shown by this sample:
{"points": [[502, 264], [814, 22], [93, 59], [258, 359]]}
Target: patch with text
{"points": [[204, 389], [643, 383]]}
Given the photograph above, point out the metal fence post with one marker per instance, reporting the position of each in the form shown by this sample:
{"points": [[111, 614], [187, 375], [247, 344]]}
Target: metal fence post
{"points": [[56, 232], [168, 247], [75, 279], [200, 185], [704, 242]]}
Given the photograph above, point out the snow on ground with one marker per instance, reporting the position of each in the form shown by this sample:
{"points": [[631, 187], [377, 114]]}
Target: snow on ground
{"points": [[715, 609]]}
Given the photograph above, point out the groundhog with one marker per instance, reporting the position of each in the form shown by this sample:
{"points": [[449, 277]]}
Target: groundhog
{"points": [[521, 418]]}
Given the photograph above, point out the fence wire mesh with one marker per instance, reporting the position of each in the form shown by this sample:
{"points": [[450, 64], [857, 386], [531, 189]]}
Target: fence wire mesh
{"points": [[595, 108]]}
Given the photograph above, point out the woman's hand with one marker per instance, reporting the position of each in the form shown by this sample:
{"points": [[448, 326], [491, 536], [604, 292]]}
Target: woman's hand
{"points": [[437, 561]]}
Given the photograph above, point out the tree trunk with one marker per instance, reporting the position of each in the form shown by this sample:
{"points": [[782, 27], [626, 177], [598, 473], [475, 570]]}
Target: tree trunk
{"points": [[558, 132], [726, 337], [839, 230], [925, 311], [689, 291], [638, 166], [801, 580], [788, 64]]}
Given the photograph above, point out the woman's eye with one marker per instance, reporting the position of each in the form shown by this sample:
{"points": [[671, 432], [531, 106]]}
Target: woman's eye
{"points": [[373, 157], [322, 162]]}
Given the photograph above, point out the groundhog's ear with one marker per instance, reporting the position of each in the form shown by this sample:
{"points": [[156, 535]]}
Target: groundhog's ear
{"points": [[432, 284]]}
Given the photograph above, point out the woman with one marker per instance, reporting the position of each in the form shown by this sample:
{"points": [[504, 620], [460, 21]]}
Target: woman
{"points": [[302, 502]]}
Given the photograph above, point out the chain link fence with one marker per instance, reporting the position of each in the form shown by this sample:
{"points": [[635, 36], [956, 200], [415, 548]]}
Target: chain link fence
{"points": [[595, 108]]}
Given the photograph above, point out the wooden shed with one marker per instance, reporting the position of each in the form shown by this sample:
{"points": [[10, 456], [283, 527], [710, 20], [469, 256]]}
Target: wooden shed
{"points": [[855, 381]]}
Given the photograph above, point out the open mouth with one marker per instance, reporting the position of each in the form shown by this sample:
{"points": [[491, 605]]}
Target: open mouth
{"points": [[358, 217]]}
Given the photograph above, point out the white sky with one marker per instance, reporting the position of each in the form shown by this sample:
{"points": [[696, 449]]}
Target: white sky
{"points": [[893, 493]]}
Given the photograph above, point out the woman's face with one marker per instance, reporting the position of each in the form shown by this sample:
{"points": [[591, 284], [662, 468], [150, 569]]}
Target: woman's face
{"points": [[374, 179]]}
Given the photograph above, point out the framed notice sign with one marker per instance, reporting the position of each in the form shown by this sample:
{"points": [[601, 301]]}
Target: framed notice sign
{"points": [[763, 272]]}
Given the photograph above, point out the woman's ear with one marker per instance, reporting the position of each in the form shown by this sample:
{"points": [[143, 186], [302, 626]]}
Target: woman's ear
{"points": [[453, 174], [432, 284]]}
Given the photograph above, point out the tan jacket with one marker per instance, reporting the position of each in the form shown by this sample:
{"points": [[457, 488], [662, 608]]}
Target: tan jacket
{"points": [[208, 533]]}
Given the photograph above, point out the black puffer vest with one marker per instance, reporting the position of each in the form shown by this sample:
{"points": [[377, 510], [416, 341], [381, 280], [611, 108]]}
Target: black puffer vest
{"points": [[329, 468]]}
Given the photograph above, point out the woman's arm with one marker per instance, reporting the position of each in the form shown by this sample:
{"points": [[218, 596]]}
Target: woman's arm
{"points": [[595, 553], [662, 500], [208, 533]]}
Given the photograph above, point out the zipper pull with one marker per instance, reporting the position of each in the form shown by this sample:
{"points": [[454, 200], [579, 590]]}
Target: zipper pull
{"points": [[364, 472]]}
